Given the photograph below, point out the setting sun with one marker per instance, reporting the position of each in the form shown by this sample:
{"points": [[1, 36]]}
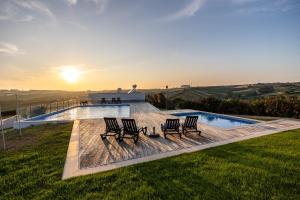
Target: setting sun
{"points": [[70, 74]]}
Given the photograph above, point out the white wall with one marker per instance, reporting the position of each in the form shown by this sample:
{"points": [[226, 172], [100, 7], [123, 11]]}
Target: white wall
{"points": [[8, 122], [137, 96]]}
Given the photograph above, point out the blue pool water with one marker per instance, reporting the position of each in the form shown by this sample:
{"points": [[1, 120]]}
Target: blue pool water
{"points": [[218, 120], [86, 112]]}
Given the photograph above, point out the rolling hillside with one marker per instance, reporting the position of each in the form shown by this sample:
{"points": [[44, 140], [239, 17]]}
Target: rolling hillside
{"points": [[8, 98], [233, 91]]}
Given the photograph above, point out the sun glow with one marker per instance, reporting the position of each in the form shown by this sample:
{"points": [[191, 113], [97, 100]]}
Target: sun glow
{"points": [[70, 74]]}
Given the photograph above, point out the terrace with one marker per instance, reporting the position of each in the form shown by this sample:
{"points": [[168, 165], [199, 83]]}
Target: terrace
{"points": [[88, 153]]}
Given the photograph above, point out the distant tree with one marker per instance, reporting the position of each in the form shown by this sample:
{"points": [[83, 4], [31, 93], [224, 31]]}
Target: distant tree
{"points": [[266, 89], [277, 106], [159, 100]]}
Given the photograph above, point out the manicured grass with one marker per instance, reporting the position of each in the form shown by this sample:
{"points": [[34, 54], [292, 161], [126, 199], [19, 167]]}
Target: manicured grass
{"points": [[261, 168]]}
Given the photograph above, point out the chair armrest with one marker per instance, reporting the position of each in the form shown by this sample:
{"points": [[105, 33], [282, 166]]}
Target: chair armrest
{"points": [[142, 129]]}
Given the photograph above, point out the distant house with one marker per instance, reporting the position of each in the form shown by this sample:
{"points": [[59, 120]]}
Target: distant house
{"points": [[185, 86], [119, 96]]}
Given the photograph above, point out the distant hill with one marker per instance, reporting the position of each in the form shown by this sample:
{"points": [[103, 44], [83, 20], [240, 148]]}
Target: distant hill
{"points": [[250, 91], [34, 97]]}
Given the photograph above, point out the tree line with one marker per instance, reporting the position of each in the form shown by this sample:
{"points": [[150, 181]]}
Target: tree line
{"points": [[275, 106]]}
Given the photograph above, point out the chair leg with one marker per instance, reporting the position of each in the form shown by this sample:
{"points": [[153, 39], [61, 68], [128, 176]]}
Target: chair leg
{"points": [[120, 138], [144, 130], [117, 136], [136, 139], [165, 135]]}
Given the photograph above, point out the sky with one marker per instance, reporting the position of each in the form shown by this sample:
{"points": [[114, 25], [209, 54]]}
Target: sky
{"points": [[107, 44]]}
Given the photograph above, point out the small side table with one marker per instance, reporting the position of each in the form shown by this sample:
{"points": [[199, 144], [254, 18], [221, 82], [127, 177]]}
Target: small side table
{"points": [[153, 134]]}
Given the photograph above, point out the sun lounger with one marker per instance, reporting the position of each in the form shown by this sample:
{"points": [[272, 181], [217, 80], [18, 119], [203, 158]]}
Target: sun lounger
{"points": [[130, 130], [112, 128], [171, 127], [190, 125]]}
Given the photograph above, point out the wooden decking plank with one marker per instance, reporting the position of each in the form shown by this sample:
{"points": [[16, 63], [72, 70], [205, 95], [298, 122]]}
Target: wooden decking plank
{"points": [[93, 151]]}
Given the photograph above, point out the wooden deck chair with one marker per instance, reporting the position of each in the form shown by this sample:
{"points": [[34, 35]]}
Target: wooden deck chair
{"points": [[171, 127], [130, 130], [112, 128], [190, 125]]}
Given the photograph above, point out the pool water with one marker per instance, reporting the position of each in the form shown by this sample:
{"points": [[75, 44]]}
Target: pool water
{"points": [[221, 121], [87, 112]]}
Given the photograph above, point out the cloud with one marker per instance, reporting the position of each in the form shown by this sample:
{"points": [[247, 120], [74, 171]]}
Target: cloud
{"points": [[72, 2], [101, 5], [188, 11], [244, 1], [25, 18], [264, 6], [7, 48], [23, 11], [36, 6]]}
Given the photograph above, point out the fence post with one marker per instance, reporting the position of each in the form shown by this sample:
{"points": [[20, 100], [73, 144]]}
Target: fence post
{"points": [[30, 111], [2, 130], [56, 106], [18, 114]]}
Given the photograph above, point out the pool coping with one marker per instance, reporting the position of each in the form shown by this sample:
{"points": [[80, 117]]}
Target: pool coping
{"points": [[62, 110], [174, 112], [31, 122]]}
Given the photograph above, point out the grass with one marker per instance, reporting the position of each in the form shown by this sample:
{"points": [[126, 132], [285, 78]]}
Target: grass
{"points": [[261, 168]]}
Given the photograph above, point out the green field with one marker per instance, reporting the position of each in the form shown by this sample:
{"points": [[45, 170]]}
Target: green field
{"points": [[261, 168]]}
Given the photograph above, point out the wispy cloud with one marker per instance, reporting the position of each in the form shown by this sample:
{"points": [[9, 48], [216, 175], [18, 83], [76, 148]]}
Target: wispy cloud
{"points": [[7, 48], [264, 6], [244, 1], [101, 5], [72, 2], [36, 6], [188, 11], [25, 18], [23, 11]]}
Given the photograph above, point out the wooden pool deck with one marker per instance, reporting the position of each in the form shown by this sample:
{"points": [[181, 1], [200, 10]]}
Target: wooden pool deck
{"points": [[88, 153]]}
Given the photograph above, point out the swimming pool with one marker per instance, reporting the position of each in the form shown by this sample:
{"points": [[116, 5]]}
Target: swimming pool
{"points": [[86, 112], [221, 121]]}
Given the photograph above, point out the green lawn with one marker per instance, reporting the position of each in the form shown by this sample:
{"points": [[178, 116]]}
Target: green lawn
{"points": [[262, 168]]}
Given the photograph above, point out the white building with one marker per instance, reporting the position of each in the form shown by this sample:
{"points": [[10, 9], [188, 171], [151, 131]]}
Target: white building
{"points": [[185, 86], [119, 96]]}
